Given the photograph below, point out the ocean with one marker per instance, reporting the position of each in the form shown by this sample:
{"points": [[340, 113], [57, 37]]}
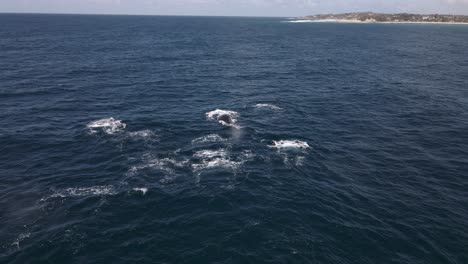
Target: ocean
{"points": [[146, 139]]}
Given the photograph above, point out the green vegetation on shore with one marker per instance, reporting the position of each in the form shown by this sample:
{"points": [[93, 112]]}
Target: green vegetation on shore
{"points": [[380, 17]]}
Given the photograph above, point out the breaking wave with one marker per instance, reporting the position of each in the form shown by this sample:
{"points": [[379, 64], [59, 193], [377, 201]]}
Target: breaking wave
{"points": [[107, 125]]}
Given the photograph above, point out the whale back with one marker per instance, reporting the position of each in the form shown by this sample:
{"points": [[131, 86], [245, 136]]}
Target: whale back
{"points": [[225, 118]]}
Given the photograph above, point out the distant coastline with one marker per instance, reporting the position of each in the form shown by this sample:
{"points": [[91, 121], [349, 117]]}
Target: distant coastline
{"points": [[370, 17]]}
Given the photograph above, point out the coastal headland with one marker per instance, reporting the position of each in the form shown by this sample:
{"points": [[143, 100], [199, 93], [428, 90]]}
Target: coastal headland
{"points": [[371, 17]]}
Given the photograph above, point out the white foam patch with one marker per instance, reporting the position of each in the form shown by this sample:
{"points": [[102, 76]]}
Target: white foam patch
{"points": [[107, 125], [218, 113], [268, 106], [300, 161], [20, 238], [167, 165], [209, 154], [142, 190], [290, 160], [247, 155], [216, 163], [210, 159], [290, 145], [161, 163], [213, 159], [212, 138], [133, 171], [144, 134], [83, 191]]}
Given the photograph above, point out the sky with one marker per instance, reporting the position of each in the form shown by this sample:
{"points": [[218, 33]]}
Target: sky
{"points": [[232, 7]]}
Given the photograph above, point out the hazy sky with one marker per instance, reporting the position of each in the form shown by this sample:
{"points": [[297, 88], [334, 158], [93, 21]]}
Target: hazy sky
{"points": [[232, 7]]}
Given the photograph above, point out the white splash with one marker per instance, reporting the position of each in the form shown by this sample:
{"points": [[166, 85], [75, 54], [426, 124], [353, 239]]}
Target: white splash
{"points": [[142, 190], [268, 106], [107, 125], [219, 114], [290, 145], [212, 138]]}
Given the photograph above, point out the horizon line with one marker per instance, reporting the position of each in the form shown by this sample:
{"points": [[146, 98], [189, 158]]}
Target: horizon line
{"points": [[117, 14], [247, 16]]}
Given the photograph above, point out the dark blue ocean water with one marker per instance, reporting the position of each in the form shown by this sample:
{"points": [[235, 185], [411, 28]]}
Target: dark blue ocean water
{"points": [[384, 109]]}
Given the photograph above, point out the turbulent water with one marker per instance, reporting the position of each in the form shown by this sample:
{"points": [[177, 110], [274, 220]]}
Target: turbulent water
{"points": [[130, 139]]}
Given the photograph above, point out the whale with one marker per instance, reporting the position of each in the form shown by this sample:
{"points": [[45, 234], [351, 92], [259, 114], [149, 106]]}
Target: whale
{"points": [[225, 118]]}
